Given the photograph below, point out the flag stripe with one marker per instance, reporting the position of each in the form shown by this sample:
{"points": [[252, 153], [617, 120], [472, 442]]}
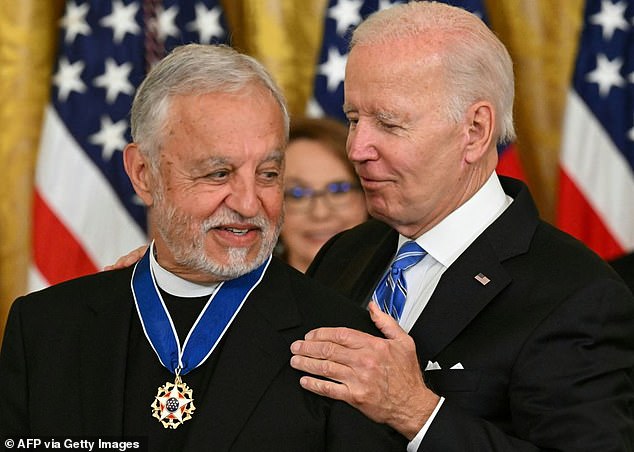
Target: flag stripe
{"points": [[509, 163], [578, 218], [35, 279], [596, 189], [77, 192], [55, 241], [600, 173]]}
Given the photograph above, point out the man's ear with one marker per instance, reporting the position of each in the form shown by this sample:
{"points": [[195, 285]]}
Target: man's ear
{"points": [[138, 169], [481, 123]]}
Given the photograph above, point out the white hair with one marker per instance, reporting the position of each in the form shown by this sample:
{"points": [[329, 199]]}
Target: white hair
{"points": [[477, 66], [193, 69]]}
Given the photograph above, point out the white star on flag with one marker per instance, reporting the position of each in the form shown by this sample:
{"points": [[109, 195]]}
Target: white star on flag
{"points": [[346, 13], [334, 68], [313, 109], [607, 74], [207, 23], [115, 80], [74, 21], [67, 79], [111, 137], [121, 20], [81, 189], [385, 4], [611, 17], [596, 169], [167, 23]]}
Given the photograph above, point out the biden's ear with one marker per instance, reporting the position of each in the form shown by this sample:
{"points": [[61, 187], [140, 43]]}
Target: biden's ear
{"points": [[481, 124], [138, 169]]}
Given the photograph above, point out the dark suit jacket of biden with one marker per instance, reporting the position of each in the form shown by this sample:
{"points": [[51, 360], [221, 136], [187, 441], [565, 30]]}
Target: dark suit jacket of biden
{"points": [[547, 346]]}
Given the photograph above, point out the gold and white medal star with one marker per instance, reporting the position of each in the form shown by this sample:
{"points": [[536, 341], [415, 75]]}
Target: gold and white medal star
{"points": [[173, 404]]}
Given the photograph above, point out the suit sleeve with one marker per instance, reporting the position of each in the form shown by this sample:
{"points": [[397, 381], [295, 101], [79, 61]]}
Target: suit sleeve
{"points": [[13, 377], [571, 389]]}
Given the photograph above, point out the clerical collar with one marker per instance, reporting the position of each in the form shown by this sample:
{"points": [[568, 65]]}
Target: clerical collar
{"points": [[174, 402], [177, 286]]}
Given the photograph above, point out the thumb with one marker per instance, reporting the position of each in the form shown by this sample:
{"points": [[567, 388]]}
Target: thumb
{"points": [[384, 322]]}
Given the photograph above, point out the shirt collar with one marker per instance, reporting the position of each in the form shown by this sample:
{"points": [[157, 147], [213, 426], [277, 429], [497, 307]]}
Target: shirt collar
{"points": [[175, 285], [449, 238]]}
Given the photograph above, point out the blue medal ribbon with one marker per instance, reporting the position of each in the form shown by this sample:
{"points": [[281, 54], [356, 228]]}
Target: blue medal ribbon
{"points": [[211, 325]]}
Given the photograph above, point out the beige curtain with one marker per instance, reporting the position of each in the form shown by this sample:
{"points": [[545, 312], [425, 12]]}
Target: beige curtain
{"points": [[28, 36], [284, 35], [542, 36]]}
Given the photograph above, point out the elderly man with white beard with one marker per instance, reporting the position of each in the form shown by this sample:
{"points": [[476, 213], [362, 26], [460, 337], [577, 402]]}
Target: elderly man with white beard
{"points": [[207, 315]]}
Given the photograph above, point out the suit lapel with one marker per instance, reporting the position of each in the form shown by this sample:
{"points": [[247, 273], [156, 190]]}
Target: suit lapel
{"points": [[251, 357], [103, 356], [459, 296]]}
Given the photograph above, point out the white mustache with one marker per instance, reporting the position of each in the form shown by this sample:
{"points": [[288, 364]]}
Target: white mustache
{"points": [[219, 219]]}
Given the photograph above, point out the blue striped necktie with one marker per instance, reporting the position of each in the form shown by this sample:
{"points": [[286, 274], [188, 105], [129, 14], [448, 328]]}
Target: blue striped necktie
{"points": [[391, 292]]}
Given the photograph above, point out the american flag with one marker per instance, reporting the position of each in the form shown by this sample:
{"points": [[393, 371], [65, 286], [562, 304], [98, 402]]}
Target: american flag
{"points": [[340, 19], [86, 213], [596, 192]]}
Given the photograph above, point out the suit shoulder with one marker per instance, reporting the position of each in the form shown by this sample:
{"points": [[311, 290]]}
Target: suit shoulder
{"points": [[75, 292], [322, 305], [624, 266], [557, 248], [557, 268]]}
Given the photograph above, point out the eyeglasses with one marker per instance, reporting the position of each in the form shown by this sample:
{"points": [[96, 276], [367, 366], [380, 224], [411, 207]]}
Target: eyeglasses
{"points": [[336, 195]]}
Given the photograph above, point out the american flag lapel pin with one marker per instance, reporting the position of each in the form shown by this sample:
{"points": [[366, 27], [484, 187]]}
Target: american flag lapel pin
{"points": [[482, 279]]}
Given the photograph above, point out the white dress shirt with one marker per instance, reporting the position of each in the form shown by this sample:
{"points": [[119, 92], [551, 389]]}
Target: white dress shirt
{"points": [[444, 243]]}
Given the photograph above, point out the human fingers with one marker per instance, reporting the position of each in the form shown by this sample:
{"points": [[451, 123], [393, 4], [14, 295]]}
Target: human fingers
{"points": [[347, 337], [318, 349], [378, 383], [128, 259], [353, 384], [326, 388], [386, 323], [322, 368], [339, 345], [348, 365], [122, 262]]}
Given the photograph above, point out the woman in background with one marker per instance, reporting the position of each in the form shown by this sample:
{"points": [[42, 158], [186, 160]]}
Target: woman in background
{"points": [[322, 192]]}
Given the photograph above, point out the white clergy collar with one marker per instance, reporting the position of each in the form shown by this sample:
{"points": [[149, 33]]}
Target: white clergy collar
{"points": [[449, 238], [175, 285]]}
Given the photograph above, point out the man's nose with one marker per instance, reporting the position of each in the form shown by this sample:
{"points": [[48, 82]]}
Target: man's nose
{"points": [[360, 144], [243, 197]]}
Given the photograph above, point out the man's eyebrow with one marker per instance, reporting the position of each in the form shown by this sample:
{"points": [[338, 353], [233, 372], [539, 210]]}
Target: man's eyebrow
{"points": [[277, 155], [210, 161], [386, 116]]}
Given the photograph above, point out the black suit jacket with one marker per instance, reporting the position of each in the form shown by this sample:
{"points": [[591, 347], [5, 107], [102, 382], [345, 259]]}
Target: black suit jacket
{"points": [[624, 266], [547, 345], [62, 368]]}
